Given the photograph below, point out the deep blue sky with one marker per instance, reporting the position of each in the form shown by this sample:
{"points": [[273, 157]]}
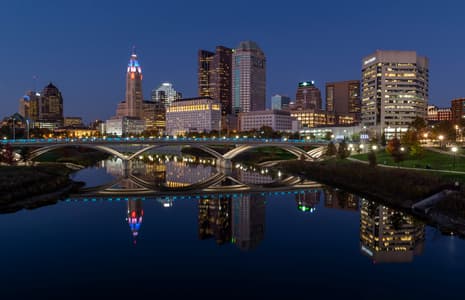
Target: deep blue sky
{"points": [[84, 46]]}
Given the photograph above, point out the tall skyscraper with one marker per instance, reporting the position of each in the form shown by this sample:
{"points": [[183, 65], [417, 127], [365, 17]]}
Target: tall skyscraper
{"points": [[165, 94], [280, 102], [394, 91], [308, 96], [249, 78], [29, 105], [214, 76], [132, 106], [343, 97], [51, 106]]}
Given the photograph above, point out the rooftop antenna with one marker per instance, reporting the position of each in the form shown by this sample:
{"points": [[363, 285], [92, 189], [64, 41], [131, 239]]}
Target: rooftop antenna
{"points": [[35, 77]]}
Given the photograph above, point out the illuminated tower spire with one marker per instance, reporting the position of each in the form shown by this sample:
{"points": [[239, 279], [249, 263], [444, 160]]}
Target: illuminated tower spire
{"points": [[134, 97]]}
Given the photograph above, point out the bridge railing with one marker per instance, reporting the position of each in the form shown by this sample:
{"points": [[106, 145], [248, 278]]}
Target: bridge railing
{"points": [[115, 140]]}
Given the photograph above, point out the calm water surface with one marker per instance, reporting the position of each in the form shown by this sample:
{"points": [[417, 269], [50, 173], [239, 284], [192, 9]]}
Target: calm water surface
{"points": [[316, 243]]}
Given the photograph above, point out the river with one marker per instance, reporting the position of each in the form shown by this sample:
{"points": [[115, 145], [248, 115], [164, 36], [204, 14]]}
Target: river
{"points": [[316, 243]]}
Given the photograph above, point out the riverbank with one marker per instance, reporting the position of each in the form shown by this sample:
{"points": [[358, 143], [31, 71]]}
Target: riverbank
{"points": [[30, 186], [395, 187]]}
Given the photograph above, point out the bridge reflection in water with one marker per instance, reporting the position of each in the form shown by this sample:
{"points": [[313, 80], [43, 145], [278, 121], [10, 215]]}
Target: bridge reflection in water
{"points": [[231, 206], [178, 175]]}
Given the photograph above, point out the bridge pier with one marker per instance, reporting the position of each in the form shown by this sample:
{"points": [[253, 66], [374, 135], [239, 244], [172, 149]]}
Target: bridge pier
{"points": [[224, 163], [126, 168]]}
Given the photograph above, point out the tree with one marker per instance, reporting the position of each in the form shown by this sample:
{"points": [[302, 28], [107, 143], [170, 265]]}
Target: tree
{"points": [[383, 139], [331, 149], [7, 155], [328, 135], [342, 150], [394, 148], [419, 124], [411, 141]]}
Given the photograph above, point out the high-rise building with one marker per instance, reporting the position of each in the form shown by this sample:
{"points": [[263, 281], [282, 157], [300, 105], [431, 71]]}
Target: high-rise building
{"points": [[458, 110], [343, 97], [308, 96], [280, 102], [165, 94], [394, 91], [387, 235], [248, 78], [132, 105], [214, 76]]}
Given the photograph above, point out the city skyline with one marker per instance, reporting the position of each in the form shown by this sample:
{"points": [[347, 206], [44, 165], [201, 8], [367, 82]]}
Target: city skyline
{"points": [[101, 45]]}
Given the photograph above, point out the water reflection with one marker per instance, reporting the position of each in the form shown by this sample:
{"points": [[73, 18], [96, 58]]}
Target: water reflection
{"points": [[134, 217], [308, 201], [388, 235], [339, 199]]}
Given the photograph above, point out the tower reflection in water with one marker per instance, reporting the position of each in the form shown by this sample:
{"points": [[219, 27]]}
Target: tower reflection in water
{"points": [[239, 219], [388, 235], [134, 217]]}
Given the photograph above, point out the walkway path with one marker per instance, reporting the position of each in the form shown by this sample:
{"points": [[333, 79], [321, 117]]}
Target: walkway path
{"points": [[405, 168], [445, 152]]}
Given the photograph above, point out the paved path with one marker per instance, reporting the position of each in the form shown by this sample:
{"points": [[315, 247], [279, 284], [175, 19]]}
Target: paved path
{"points": [[405, 168], [445, 151]]}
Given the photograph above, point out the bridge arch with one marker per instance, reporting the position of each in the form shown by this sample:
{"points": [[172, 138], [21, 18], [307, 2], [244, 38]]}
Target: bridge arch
{"points": [[289, 148], [38, 152], [210, 151]]}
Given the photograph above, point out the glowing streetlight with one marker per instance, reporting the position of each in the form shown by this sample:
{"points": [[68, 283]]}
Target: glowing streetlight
{"points": [[454, 150], [374, 147], [441, 137]]}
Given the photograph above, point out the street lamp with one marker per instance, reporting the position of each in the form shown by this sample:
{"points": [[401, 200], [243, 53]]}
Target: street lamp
{"points": [[454, 150], [441, 137], [374, 147]]}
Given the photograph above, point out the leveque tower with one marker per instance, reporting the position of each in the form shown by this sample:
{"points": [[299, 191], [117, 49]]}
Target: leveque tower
{"points": [[132, 105]]}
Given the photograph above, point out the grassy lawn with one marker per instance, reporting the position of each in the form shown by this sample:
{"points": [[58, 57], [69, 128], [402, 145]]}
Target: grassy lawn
{"points": [[436, 161]]}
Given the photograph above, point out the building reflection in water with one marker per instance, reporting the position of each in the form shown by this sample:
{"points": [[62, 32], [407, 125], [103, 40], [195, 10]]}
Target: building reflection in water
{"points": [[181, 174], [307, 201], [134, 217], [214, 219], [388, 235], [339, 199], [248, 220]]}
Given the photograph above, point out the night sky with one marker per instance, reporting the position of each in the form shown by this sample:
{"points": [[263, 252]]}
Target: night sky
{"points": [[83, 46]]}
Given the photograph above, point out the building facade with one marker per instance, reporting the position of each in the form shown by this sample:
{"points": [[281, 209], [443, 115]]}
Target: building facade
{"points": [[132, 105], [202, 114], [343, 97], [437, 114], [395, 87], [278, 120], [280, 102], [165, 94], [73, 122], [458, 110], [248, 78], [308, 96], [124, 126], [215, 76]]}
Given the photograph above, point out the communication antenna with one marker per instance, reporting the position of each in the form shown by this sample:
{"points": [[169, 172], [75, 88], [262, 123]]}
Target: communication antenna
{"points": [[35, 77]]}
